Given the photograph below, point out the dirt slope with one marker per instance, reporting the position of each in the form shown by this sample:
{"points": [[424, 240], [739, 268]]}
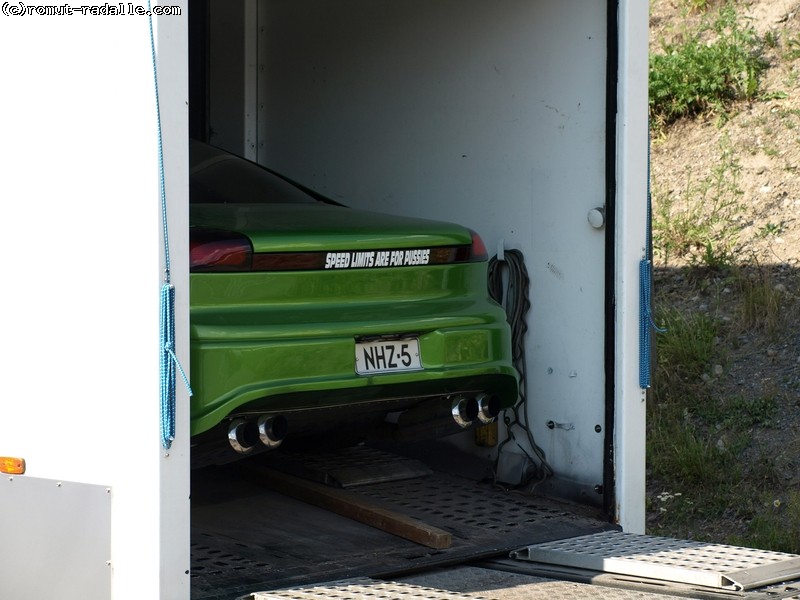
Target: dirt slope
{"points": [[764, 134]]}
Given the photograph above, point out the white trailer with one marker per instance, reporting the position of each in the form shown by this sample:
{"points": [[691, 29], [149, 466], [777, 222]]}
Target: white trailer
{"points": [[523, 119]]}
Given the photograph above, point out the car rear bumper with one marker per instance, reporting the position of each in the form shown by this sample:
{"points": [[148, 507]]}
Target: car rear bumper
{"points": [[282, 375]]}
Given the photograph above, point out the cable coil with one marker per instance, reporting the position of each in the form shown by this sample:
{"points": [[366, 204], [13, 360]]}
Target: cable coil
{"points": [[508, 284]]}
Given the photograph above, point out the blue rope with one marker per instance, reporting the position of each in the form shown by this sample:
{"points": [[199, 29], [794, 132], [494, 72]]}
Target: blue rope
{"points": [[645, 270], [646, 320], [168, 359], [169, 365]]}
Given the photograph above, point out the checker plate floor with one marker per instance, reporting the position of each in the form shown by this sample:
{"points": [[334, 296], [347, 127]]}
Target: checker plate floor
{"points": [[246, 537]]}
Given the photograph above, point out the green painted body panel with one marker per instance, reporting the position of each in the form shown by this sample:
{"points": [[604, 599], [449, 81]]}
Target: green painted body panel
{"points": [[284, 338], [286, 341], [310, 227]]}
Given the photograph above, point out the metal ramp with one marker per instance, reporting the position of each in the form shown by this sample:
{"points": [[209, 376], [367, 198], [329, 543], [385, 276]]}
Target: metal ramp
{"points": [[461, 583], [713, 566], [362, 587], [664, 568]]}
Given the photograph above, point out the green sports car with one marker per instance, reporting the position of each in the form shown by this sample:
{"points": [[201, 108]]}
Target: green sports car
{"points": [[309, 318]]}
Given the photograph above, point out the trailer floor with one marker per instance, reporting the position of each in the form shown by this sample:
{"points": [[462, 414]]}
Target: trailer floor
{"points": [[248, 538]]}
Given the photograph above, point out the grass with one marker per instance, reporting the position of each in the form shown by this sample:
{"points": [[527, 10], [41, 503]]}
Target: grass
{"points": [[697, 222], [761, 531], [695, 441], [688, 345], [677, 447], [792, 49], [715, 481], [705, 69], [762, 302]]}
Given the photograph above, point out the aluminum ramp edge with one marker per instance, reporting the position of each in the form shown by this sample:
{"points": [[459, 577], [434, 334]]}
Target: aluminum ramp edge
{"points": [[657, 558]]}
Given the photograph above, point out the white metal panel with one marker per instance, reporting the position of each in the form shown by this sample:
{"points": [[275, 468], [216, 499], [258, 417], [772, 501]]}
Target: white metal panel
{"points": [[490, 114], [173, 489], [84, 273], [56, 539], [631, 221]]}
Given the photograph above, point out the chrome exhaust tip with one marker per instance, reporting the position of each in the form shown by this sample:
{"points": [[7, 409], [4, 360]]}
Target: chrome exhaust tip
{"points": [[488, 408], [464, 411], [242, 435], [272, 430]]}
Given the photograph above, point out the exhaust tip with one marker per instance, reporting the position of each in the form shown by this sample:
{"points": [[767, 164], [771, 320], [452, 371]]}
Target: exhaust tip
{"points": [[272, 430], [464, 411], [243, 435], [488, 408]]}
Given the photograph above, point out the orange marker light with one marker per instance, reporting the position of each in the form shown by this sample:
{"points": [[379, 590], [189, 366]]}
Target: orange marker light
{"points": [[12, 465]]}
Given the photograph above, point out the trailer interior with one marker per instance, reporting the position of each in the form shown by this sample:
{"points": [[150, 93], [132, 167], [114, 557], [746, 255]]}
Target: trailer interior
{"points": [[499, 115], [523, 120]]}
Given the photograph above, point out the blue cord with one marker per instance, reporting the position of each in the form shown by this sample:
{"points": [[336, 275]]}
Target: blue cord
{"points": [[646, 321], [645, 270], [169, 365], [168, 359]]}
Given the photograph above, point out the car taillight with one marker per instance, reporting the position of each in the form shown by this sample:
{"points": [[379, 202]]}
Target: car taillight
{"points": [[220, 251], [473, 252], [479, 251]]}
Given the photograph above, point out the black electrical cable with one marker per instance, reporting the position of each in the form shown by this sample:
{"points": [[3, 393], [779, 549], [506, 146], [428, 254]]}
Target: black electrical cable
{"points": [[508, 284]]}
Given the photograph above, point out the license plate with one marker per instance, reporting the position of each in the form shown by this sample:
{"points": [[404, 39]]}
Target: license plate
{"points": [[387, 356]]}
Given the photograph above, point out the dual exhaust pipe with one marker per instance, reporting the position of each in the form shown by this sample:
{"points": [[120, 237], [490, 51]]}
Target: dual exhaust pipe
{"points": [[482, 408], [447, 416], [268, 431]]}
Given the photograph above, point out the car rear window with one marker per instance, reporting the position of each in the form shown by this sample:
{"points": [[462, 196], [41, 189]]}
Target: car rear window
{"points": [[217, 177]]}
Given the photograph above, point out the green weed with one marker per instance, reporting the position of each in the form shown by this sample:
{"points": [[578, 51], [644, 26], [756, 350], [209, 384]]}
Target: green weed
{"points": [[694, 458], [694, 5], [770, 230], [792, 48], [707, 69], [774, 525], [771, 39], [686, 349], [762, 303], [740, 412], [736, 413], [698, 223]]}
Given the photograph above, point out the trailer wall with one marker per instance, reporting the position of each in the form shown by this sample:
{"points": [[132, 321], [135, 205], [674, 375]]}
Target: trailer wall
{"points": [[490, 114], [83, 275]]}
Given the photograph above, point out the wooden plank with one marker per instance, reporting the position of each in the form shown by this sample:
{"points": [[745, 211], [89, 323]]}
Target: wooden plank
{"points": [[353, 506]]}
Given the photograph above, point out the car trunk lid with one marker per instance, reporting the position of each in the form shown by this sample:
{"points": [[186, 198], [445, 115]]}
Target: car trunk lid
{"points": [[316, 227]]}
